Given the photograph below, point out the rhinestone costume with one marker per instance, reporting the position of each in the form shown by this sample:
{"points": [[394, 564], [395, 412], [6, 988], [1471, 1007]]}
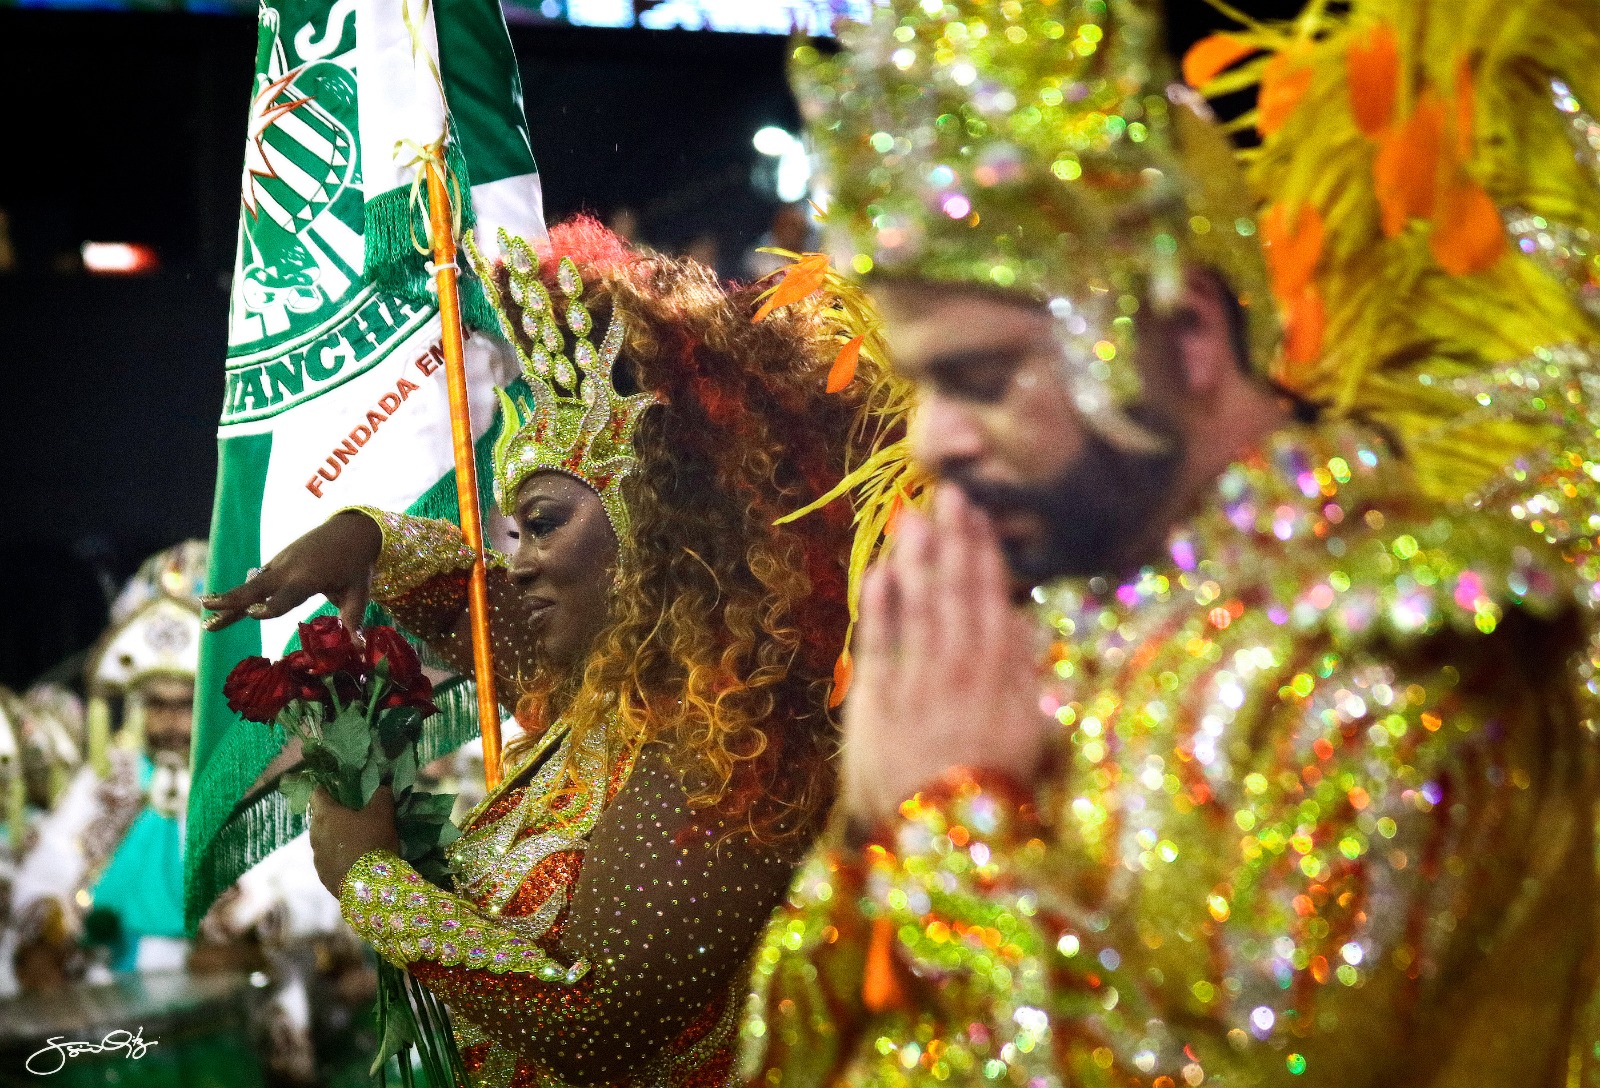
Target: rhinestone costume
{"points": [[1323, 814], [599, 928]]}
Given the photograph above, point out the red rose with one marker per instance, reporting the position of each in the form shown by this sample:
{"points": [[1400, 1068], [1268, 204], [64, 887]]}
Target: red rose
{"points": [[408, 685], [303, 677], [258, 690], [329, 647], [387, 644], [419, 696]]}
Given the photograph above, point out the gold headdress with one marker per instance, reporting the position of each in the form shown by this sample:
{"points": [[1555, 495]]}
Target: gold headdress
{"points": [[1430, 172], [572, 420], [1035, 146]]}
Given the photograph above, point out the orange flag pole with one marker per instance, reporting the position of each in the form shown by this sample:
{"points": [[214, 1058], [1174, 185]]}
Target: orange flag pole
{"points": [[447, 276]]}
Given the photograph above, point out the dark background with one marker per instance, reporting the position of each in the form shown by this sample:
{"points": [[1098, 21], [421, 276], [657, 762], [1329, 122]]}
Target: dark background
{"points": [[129, 127]]}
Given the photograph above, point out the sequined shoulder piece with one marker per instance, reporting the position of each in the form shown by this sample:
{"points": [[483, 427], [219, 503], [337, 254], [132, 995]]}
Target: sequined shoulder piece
{"points": [[556, 812], [1326, 531], [415, 551]]}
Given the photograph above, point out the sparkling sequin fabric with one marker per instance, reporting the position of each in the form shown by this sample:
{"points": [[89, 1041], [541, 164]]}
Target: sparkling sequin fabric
{"points": [[421, 579], [1324, 814], [598, 929]]}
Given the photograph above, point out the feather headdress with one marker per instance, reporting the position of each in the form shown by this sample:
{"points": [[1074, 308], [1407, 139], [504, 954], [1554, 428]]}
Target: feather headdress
{"points": [[1429, 172]]}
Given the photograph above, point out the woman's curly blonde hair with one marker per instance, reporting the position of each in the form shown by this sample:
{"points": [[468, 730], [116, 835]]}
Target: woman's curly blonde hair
{"points": [[726, 628]]}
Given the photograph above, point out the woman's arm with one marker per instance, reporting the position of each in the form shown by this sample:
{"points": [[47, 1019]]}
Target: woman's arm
{"points": [[421, 577]]}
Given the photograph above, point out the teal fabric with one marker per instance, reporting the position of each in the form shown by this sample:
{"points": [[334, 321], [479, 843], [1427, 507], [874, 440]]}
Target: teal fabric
{"points": [[143, 883]]}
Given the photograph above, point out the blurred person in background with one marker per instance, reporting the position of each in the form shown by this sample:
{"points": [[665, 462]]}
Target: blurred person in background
{"points": [[97, 890], [107, 862], [792, 230]]}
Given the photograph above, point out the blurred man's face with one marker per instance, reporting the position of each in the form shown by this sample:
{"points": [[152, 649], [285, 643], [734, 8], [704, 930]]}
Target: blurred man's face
{"points": [[168, 714], [997, 419]]}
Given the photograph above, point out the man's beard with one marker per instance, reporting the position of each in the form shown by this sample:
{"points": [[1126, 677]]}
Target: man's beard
{"points": [[1095, 518]]}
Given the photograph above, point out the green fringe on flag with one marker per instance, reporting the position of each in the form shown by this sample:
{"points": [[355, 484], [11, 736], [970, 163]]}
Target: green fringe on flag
{"points": [[393, 227]]}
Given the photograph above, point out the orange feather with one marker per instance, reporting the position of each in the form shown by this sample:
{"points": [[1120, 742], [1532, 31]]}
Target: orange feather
{"points": [[1468, 233], [844, 365], [844, 671], [1210, 56], [1373, 66], [1293, 247], [880, 982], [800, 280], [1284, 83], [1306, 325], [1466, 110], [1406, 168]]}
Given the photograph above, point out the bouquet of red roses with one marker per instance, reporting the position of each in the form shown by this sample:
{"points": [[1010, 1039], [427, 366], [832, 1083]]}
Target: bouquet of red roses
{"points": [[358, 713]]}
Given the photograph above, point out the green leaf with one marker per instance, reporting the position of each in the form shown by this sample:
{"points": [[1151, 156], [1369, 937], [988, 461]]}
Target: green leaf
{"points": [[348, 738], [398, 1027], [297, 789], [371, 779], [399, 729], [431, 807], [403, 772]]}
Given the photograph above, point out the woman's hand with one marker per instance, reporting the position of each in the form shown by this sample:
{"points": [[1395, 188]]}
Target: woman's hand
{"points": [[335, 559], [340, 836]]}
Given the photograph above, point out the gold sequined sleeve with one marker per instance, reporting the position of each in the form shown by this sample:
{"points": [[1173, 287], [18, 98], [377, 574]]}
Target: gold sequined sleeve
{"points": [[806, 1009], [1405, 829], [421, 579], [665, 912]]}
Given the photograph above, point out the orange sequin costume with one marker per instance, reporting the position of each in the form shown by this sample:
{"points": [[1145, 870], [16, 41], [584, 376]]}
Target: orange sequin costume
{"points": [[599, 926]]}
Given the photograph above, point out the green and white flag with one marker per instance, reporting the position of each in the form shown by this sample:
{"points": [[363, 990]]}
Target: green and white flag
{"points": [[335, 391]]}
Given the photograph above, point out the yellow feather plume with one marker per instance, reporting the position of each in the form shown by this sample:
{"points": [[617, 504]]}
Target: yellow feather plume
{"points": [[1448, 153]]}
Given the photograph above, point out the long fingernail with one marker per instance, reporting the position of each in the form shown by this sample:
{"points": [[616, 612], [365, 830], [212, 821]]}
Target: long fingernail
{"points": [[258, 609], [211, 600], [210, 623]]}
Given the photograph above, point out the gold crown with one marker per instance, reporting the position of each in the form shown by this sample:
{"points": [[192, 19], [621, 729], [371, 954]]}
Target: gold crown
{"points": [[572, 420], [1033, 146]]}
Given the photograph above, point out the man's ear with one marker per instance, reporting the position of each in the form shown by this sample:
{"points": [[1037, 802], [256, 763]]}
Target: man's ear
{"points": [[1205, 338]]}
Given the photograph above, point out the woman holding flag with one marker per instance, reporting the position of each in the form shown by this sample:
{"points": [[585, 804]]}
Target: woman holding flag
{"points": [[671, 647]]}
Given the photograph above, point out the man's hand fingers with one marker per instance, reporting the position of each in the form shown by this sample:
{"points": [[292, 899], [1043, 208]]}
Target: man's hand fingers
{"points": [[992, 613], [953, 578], [875, 630], [914, 560]]}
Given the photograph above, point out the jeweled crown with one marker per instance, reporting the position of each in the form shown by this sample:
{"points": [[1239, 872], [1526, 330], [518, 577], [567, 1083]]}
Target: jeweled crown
{"points": [[1037, 145], [572, 419]]}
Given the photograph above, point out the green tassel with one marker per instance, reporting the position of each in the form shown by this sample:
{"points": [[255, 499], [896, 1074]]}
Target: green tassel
{"points": [[392, 228]]}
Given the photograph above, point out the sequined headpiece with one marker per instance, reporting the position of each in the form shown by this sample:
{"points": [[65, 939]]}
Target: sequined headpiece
{"points": [[1430, 174], [1036, 146], [572, 420]]}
